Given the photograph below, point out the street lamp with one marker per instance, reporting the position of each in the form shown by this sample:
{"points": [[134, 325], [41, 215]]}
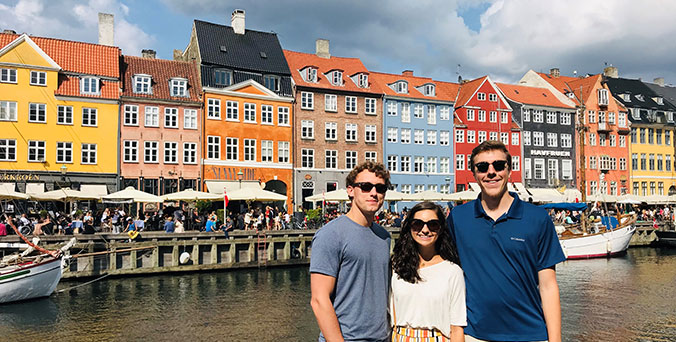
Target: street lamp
{"points": [[240, 175], [64, 170]]}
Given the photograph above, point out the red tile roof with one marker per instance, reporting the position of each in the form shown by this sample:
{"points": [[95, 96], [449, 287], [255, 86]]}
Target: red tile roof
{"points": [[585, 85], [445, 91], [531, 95], [350, 66], [162, 71], [468, 89], [77, 57], [70, 86]]}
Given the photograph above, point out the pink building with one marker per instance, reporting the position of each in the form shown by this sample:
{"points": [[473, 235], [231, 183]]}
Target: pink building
{"points": [[160, 120]]}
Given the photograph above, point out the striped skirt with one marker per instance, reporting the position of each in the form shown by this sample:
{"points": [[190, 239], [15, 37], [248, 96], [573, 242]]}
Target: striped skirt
{"points": [[404, 334]]}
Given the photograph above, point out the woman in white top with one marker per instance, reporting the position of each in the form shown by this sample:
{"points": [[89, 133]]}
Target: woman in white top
{"points": [[427, 295]]}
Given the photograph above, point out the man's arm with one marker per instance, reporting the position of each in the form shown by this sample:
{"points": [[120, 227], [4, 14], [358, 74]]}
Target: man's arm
{"points": [[322, 286], [457, 334], [551, 303]]}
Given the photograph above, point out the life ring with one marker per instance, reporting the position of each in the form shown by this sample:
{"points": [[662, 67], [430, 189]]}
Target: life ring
{"points": [[25, 230], [133, 234]]}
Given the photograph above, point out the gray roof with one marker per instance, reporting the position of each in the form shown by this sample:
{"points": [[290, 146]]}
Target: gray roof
{"points": [[640, 100], [668, 92]]}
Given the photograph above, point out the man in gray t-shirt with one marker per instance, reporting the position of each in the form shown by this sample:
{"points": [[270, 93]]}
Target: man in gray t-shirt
{"points": [[350, 264]]}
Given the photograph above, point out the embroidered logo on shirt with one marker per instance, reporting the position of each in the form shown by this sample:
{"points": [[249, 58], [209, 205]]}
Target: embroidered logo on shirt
{"points": [[517, 239]]}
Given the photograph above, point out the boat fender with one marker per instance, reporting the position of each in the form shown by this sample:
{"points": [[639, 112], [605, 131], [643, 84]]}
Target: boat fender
{"points": [[184, 258], [609, 247], [295, 253], [25, 230]]}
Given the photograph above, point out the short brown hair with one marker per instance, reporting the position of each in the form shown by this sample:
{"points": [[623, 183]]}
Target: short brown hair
{"points": [[377, 168], [490, 145]]}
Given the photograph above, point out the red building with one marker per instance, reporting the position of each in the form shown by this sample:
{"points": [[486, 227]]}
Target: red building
{"points": [[482, 113]]}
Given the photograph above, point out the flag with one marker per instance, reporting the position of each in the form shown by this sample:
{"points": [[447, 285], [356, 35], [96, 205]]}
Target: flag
{"points": [[225, 197]]}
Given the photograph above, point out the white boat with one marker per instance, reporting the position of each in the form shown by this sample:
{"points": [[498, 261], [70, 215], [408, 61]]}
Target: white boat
{"points": [[33, 279], [606, 243]]}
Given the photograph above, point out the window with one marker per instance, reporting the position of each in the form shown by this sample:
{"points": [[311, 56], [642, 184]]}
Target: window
{"points": [[444, 165], [213, 147], [612, 140], [64, 152], [621, 120], [405, 112], [307, 158], [331, 159], [350, 104], [459, 136], [150, 151], [537, 115], [370, 106], [445, 137], [566, 169], [266, 151], [231, 149], [667, 162], [526, 115], [644, 160], [592, 139], [592, 162], [307, 100], [152, 116], [350, 159], [482, 116], [566, 140], [37, 112], [406, 188], [633, 135], [432, 165], [271, 82], [660, 165], [470, 115], [516, 165], [418, 111], [370, 133], [419, 188], [250, 112], [330, 103], [493, 135], [178, 87], [405, 135], [214, 108], [419, 137], [419, 164], [565, 118], [363, 80], [651, 162], [250, 150], [481, 96], [89, 117], [527, 168], [8, 111], [431, 137], [444, 113], [470, 137], [538, 139], [7, 75], [307, 130], [391, 108], [504, 117], [283, 116], [651, 135], [493, 116], [611, 118], [350, 132], [189, 153], [222, 77], [504, 138], [392, 163], [515, 139], [331, 130], [459, 161], [190, 118], [592, 116], [89, 85], [130, 151], [171, 117], [401, 87], [482, 137], [552, 140], [130, 114], [311, 75], [551, 117], [371, 156], [170, 152], [337, 78], [38, 78], [603, 97], [658, 136], [428, 90], [538, 168], [431, 115], [642, 134], [88, 153], [142, 84], [283, 151], [392, 134], [266, 114], [623, 141], [405, 164]]}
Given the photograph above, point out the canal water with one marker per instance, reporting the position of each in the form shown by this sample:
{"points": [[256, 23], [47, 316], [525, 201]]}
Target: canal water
{"points": [[630, 298]]}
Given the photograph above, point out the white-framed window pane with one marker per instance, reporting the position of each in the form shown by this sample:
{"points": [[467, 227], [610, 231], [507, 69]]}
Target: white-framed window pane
{"points": [[405, 112], [266, 114], [214, 108], [392, 163], [307, 158], [266, 151], [405, 164], [36, 151], [150, 151], [249, 112], [8, 111], [331, 131], [152, 116], [38, 78], [371, 156], [370, 133], [64, 152], [189, 153], [350, 104], [190, 118], [88, 153], [307, 129], [283, 116], [64, 115], [89, 117], [283, 151], [350, 132], [142, 84], [7, 75], [130, 151], [405, 135], [307, 100], [350, 159], [370, 106], [213, 147], [330, 103], [179, 87], [37, 112], [231, 149], [231, 110], [170, 152], [130, 115], [171, 117], [250, 149], [331, 159]]}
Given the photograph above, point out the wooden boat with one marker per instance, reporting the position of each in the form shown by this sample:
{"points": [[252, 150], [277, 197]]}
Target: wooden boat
{"points": [[32, 279], [605, 242], [666, 237]]}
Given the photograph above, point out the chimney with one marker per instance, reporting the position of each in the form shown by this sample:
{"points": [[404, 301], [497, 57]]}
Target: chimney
{"points": [[106, 29], [178, 55], [237, 21], [8, 31], [407, 72], [554, 72], [610, 71], [659, 81], [322, 48], [147, 53]]}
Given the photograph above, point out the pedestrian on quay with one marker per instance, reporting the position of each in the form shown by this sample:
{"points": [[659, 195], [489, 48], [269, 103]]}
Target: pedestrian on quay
{"points": [[508, 250], [169, 224], [349, 268], [427, 289]]}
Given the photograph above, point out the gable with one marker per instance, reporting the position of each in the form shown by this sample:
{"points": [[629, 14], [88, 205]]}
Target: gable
{"points": [[23, 51], [250, 89]]}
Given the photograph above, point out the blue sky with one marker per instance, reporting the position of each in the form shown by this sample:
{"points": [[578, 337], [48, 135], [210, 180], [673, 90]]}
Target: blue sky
{"points": [[439, 39]]}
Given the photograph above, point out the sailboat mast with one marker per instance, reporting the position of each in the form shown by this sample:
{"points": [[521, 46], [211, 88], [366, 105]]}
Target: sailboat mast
{"points": [[582, 129]]}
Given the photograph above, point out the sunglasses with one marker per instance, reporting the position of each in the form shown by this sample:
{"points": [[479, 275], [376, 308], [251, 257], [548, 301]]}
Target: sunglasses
{"points": [[366, 187], [498, 165], [433, 225]]}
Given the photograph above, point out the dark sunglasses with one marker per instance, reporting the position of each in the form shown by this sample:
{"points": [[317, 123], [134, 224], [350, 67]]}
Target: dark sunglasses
{"points": [[366, 187], [498, 165], [433, 225]]}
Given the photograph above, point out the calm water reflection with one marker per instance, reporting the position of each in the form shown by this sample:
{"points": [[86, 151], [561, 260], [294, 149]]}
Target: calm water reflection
{"points": [[623, 299]]}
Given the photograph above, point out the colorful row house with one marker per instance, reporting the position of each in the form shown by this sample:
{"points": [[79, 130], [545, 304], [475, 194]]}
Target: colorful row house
{"points": [[337, 120], [247, 93], [58, 114], [417, 130]]}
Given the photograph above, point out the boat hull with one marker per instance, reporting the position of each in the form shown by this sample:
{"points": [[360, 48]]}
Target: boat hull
{"points": [[32, 280], [667, 237], [602, 245]]}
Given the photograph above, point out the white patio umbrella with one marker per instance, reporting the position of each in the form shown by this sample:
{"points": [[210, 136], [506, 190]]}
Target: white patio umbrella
{"points": [[192, 195], [601, 198], [466, 195], [428, 195], [546, 195], [338, 195], [629, 199], [65, 194], [657, 199], [133, 195], [7, 194], [392, 195], [255, 194]]}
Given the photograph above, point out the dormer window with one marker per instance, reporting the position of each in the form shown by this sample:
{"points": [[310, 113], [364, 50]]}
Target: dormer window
{"points": [[271, 82], [670, 116], [603, 97], [640, 97], [142, 84], [401, 87], [363, 80], [178, 87], [311, 75], [337, 77], [429, 90], [89, 85], [658, 100], [222, 77], [626, 97]]}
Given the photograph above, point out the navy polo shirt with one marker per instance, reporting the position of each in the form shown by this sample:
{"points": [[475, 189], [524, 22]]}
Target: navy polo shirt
{"points": [[501, 260]]}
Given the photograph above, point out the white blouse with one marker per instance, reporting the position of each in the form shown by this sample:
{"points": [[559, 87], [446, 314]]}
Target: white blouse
{"points": [[437, 301]]}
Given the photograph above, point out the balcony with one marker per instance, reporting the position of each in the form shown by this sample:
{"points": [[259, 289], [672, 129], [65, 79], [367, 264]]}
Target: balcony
{"points": [[624, 130], [605, 127]]}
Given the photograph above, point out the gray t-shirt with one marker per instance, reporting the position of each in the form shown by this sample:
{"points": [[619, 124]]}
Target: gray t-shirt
{"points": [[358, 257]]}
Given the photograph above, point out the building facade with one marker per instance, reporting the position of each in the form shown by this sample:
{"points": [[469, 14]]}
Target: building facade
{"points": [[337, 120], [58, 113], [482, 113], [417, 145], [160, 121]]}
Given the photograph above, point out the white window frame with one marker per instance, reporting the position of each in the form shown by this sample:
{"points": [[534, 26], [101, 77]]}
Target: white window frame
{"points": [[214, 109], [470, 115], [267, 112], [178, 87], [331, 131], [213, 147], [307, 157], [151, 116], [331, 159], [405, 164], [250, 150], [283, 116], [8, 75], [170, 117], [405, 136], [371, 106], [405, 112], [64, 152], [444, 138], [431, 114], [189, 153], [190, 118], [307, 129], [471, 137], [250, 112], [231, 148], [143, 84], [171, 152], [130, 115], [89, 152], [419, 137], [331, 103], [37, 151], [89, 117], [283, 151], [307, 100], [8, 111], [351, 104], [267, 151], [351, 132], [392, 163], [130, 151], [151, 152], [37, 112], [459, 135], [392, 135], [38, 78], [231, 111], [90, 85], [370, 134]]}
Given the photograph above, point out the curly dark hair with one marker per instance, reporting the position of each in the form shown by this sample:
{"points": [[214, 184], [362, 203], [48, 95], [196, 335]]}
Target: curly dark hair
{"points": [[406, 258]]}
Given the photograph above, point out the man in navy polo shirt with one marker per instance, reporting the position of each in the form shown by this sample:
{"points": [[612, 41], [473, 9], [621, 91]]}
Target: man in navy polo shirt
{"points": [[508, 250]]}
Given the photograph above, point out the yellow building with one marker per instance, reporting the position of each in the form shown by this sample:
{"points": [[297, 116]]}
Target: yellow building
{"points": [[58, 113]]}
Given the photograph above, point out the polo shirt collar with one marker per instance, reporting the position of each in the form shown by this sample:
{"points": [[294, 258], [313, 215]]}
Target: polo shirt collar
{"points": [[515, 210]]}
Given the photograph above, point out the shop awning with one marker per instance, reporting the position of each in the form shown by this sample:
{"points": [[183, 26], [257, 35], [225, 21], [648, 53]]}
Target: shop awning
{"points": [[94, 189], [35, 188], [217, 186]]}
